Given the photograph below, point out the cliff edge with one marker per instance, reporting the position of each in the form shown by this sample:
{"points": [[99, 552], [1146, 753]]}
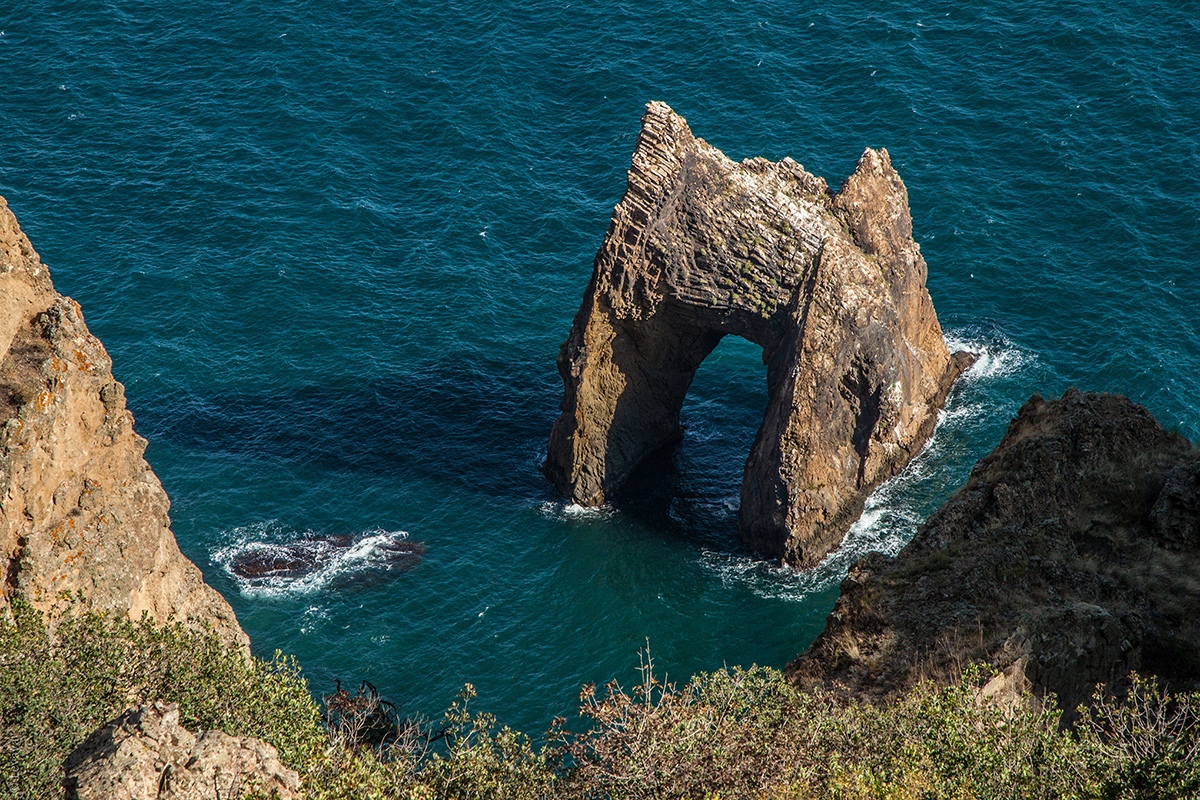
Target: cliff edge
{"points": [[1070, 558], [82, 515], [831, 286]]}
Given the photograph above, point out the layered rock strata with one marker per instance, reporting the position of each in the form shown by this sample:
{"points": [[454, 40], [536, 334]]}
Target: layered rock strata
{"points": [[146, 754], [831, 285], [1070, 558], [83, 519]]}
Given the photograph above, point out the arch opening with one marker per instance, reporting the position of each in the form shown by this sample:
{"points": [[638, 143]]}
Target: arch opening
{"points": [[691, 487]]}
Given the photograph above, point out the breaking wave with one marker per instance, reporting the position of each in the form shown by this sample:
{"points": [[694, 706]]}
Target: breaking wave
{"points": [[894, 511], [267, 559]]}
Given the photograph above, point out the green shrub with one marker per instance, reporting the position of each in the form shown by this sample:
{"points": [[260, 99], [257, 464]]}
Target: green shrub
{"points": [[55, 689], [1149, 741], [734, 733], [748, 733], [469, 758]]}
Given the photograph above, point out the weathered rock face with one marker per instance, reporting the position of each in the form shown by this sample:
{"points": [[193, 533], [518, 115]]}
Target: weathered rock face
{"points": [[832, 286], [147, 755], [1071, 557], [80, 510]]}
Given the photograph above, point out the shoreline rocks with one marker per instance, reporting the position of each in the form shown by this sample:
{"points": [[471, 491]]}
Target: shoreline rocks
{"points": [[831, 285], [1070, 558]]}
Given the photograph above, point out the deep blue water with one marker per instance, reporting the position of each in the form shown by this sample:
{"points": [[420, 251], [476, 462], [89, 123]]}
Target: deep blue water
{"points": [[333, 250]]}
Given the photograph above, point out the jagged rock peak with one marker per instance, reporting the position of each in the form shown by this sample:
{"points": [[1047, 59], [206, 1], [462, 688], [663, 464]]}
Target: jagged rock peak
{"points": [[831, 286], [1070, 558], [81, 513]]}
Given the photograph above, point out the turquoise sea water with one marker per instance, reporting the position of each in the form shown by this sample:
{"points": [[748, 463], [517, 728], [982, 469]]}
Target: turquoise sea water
{"points": [[333, 250]]}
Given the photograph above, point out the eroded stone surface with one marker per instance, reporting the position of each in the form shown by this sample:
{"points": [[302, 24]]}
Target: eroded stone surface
{"points": [[147, 754], [832, 286], [81, 512], [1070, 558]]}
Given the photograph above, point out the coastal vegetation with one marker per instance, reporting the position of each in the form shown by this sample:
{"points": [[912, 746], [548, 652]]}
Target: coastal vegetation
{"points": [[733, 733]]}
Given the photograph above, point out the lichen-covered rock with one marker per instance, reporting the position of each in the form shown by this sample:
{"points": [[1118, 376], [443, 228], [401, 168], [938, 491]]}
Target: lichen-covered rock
{"points": [[832, 286], [147, 755], [83, 519], [1070, 558]]}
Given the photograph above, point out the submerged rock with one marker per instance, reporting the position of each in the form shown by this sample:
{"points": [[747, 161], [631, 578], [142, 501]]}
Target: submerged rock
{"points": [[284, 560], [1070, 558], [146, 754], [83, 519], [832, 286], [262, 562]]}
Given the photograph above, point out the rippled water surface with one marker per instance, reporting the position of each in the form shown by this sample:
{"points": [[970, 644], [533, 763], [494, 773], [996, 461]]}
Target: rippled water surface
{"points": [[333, 249]]}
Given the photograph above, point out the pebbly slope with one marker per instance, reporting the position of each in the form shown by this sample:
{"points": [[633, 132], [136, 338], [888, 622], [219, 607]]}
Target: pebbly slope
{"points": [[81, 512], [832, 286]]}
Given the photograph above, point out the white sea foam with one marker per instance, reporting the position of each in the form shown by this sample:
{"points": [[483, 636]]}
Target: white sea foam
{"points": [[571, 512], [893, 512], [333, 559], [995, 356]]}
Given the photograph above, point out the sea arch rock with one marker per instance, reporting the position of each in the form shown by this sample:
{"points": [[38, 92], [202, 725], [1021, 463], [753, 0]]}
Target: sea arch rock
{"points": [[830, 285]]}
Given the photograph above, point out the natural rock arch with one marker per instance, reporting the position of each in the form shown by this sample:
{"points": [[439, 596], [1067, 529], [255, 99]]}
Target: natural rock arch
{"points": [[831, 286]]}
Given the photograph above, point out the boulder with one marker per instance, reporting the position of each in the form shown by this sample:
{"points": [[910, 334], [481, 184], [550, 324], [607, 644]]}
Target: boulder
{"points": [[1070, 558], [830, 285], [146, 754], [83, 519]]}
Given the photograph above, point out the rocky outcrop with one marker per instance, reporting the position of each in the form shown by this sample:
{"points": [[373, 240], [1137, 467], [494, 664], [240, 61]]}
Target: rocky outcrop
{"points": [[83, 519], [832, 286], [147, 755], [1070, 558]]}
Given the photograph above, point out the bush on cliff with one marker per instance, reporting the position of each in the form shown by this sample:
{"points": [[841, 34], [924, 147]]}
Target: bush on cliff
{"points": [[56, 688], [735, 733], [747, 733]]}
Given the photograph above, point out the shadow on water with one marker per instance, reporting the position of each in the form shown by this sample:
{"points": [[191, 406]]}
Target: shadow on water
{"points": [[662, 496], [481, 423]]}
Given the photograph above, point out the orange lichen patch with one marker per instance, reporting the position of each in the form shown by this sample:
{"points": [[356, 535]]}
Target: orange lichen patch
{"points": [[58, 364], [82, 360], [58, 532], [44, 399]]}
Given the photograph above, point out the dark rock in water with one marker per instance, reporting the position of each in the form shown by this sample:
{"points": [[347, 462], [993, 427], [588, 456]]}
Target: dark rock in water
{"points": [[1070, 558], [299, 558], [830, 285], [289, 560]]}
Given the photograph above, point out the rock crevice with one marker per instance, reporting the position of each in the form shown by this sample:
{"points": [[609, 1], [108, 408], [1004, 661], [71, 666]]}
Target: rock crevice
{"points": [[830, 285]]}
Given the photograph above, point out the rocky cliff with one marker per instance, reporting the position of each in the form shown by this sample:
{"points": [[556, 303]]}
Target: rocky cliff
{"points": [[831, 285], [1070, 558], [82, 516]]}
